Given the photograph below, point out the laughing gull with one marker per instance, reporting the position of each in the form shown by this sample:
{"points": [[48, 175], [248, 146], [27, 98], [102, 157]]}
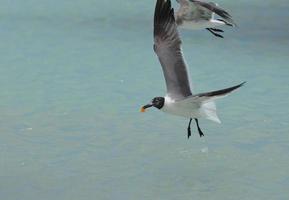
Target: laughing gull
{"points": [[179, 99], [193, 14]]}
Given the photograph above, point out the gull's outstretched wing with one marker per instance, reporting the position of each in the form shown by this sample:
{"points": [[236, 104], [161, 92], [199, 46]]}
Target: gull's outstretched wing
{"points": [[167, 45], [216, 9]]}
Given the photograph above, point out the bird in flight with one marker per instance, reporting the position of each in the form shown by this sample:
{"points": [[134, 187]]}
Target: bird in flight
{"points": [[194, 14], [179, 99]]}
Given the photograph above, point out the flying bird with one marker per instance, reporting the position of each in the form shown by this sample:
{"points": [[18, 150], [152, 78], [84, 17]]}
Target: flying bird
{"points": [[194, 14], [179, 99]]}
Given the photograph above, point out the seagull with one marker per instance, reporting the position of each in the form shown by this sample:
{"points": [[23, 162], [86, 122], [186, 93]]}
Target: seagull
{"points": [[193, 14], [179, 99]]}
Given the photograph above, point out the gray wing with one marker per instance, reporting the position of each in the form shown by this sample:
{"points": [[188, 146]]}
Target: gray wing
{"points": [[202, 12], [167, 46], [190, 11], [214, 8]]}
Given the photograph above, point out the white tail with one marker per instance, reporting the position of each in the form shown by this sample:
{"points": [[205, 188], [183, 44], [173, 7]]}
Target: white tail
{"points": [[208, 110]]}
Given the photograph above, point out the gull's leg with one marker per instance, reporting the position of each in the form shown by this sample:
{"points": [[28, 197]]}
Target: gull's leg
{"points": [[200, 131], [215, 34], [217, 30], [189, 128]]}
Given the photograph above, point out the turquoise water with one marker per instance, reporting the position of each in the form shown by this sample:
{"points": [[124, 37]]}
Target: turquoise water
{"points": [[75, 73]]}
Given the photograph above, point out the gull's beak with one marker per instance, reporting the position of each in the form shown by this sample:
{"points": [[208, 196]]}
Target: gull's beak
{"points": [[143, 109]]}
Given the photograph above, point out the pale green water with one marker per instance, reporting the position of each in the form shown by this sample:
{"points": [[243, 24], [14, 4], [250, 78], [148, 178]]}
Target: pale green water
{"points": [[74, 74]]}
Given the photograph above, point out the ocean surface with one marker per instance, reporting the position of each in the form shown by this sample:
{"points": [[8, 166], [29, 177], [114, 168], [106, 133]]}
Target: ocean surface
{"points": [[75, 73]]}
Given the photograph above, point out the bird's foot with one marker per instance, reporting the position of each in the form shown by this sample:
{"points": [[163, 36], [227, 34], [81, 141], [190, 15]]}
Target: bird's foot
{"points": [[189, 128], [189, 132], [217, 30], [215, 34], [199, 129], [200, 132]]}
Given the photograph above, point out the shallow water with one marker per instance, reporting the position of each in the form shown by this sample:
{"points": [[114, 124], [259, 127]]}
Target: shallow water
{"points": [[75, 73]]}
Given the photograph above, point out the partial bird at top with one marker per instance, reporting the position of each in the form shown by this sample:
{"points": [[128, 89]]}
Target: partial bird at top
{"points": [[194, 14]]}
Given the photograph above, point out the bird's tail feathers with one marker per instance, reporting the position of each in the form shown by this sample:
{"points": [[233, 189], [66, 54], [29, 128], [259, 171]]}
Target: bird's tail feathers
{"points": [[208, 110]]}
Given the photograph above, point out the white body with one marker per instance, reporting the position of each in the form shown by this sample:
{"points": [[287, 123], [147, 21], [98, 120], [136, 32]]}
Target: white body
{"points": [[192, 107], [201, 24]]}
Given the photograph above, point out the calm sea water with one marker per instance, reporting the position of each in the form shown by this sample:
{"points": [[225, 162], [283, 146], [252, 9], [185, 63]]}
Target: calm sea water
{"points": [[75, 73]]}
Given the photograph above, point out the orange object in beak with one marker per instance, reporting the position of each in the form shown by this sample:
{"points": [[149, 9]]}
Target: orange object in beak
{"points": [[142, 109]]}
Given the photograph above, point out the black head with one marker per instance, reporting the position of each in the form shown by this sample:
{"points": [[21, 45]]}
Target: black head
{"points": [[157, 102]]}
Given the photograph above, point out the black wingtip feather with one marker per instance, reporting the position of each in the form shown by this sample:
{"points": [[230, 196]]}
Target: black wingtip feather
{"points": [[164, 15], [222, 92], [163, 11], [228, 90]]}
